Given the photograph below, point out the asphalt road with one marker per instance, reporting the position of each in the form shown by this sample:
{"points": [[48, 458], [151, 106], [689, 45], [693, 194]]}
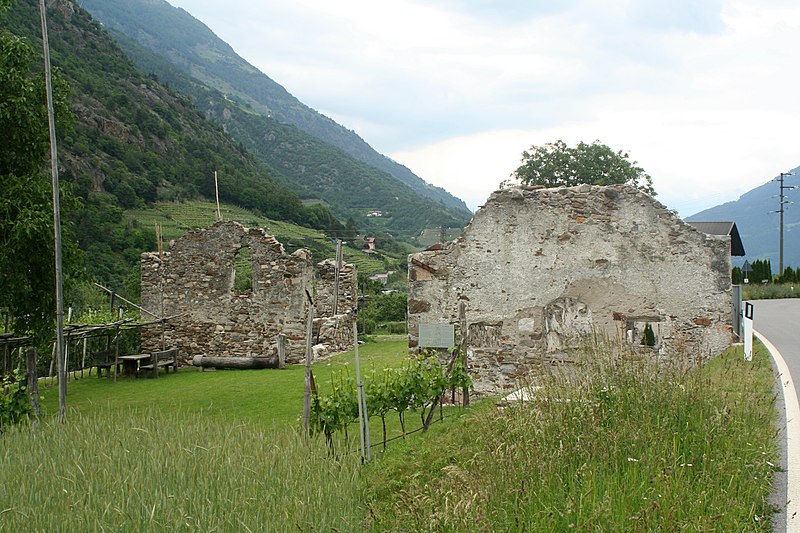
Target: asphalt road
{"points": [[778, 321]]}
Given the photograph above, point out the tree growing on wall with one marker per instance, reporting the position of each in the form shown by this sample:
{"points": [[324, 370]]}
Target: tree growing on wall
{"points": [[649, 337], [556, 165], [27, 277]]}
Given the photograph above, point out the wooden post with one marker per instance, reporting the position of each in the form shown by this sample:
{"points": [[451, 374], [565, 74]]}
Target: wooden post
{"points": [[462, 317], [216, 193], [33, 379], [281, 351], [83, 360], [338, 271], [308, 378]]}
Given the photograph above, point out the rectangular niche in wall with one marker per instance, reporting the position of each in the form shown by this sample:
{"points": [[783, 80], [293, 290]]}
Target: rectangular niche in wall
{"points": [[243, 270]]}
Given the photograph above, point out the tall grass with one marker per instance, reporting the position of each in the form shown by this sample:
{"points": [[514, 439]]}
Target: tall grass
{"points": [[623, 445], [618, 444], [146, 471]]}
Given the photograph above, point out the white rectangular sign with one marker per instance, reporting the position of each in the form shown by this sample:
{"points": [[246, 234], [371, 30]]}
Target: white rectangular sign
{"points": [[437, 335]]}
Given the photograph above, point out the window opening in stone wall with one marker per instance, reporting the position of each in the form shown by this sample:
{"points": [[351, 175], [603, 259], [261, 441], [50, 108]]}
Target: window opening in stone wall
{"points": [[643, 332], [243, 270]]}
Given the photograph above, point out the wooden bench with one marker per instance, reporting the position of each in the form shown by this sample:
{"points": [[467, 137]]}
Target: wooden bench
{"points": [[164, 359], [105, 359]]}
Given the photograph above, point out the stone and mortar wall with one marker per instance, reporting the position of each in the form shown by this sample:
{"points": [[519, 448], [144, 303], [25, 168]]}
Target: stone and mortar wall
{"points": [[541, 269], [326, 283], [196, 281], [335, 332]]}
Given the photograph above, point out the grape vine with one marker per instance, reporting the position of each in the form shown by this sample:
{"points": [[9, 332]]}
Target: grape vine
{"points": [[419, 384]]}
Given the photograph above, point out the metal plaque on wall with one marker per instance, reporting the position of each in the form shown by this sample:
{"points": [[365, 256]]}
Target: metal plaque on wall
{"points": [[437, 335]]}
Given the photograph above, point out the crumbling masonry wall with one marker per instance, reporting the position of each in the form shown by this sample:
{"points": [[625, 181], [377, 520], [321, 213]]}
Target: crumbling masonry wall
{"points": [[332, 333], [196, 282], [539, 270]]}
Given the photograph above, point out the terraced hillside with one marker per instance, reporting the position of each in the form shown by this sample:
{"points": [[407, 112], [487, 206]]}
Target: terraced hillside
{"points": [[177, 218]]}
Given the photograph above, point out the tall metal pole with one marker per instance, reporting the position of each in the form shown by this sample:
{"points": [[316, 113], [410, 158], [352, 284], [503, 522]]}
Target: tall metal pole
{"points": [[363, 417], [780, 210], [307, 380], [61, 366]]}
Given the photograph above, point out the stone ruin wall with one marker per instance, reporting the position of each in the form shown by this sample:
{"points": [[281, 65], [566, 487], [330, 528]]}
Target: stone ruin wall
{"points": [[541, 269], [195, 281], [332, 333]]}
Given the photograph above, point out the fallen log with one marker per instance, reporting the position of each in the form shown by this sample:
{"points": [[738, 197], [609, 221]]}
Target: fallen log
{"points": [[205, 361]]}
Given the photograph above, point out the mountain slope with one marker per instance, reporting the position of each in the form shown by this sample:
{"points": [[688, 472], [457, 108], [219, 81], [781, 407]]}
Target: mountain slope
{"points": [[135, 141], [757, 220], [317, 171], [194, 48]]}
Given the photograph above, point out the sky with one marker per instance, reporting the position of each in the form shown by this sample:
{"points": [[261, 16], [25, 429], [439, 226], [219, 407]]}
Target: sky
{"points": [[703, 94]]}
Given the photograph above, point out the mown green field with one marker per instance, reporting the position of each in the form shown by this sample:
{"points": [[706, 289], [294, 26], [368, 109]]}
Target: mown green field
{"points": [[622, 445]]}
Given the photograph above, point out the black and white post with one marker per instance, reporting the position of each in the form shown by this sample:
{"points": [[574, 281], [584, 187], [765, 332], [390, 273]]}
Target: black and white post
{"points": [[748, 331]]}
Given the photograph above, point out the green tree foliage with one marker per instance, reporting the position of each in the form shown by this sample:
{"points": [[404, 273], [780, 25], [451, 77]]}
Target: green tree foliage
{"points": [[737, 276], [789, 275], [27, 250], [388, 307], [649, 337], [762, 271], [556, 165]]}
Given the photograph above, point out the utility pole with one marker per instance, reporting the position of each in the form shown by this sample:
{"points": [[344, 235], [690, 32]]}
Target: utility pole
{"points": [[780, 210], [59, 347]]}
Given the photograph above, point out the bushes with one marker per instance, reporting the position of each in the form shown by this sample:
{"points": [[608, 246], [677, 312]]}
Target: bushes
{"points": [[14, 403]]}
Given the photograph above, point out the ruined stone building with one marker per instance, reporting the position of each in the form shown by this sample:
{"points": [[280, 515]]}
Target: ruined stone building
{"points": [[538, 270], [196, 283]]}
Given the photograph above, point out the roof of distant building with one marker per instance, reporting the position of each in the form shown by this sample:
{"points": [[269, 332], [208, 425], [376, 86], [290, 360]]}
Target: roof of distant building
{"points": [[723, 228]]}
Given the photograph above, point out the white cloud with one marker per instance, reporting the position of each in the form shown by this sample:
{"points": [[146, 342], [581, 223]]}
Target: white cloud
{"points": [[702, 94]]}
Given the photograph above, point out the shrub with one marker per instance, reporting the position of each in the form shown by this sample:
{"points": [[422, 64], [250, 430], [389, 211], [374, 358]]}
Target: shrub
{"points": [[14, 403]]}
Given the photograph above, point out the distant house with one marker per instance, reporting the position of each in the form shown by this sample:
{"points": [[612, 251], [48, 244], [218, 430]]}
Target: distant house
{"points": [[382, 277], [722, 229], [375, 213], [369, 245]]}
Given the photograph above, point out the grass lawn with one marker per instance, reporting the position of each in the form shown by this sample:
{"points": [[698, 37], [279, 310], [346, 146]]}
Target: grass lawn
{"points": [[271, 397]]}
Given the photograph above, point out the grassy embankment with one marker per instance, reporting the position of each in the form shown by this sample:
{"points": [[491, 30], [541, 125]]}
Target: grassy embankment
{"points": [[628, 448]]}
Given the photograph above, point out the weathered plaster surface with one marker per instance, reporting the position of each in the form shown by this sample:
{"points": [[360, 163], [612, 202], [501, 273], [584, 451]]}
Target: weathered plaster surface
{"points": [[541, 269]]}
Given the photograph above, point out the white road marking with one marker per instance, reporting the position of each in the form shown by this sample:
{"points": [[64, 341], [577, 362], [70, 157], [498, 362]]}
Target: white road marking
{"points": [[792, 437]]}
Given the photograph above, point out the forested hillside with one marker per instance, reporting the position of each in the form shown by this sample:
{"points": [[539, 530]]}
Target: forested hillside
{"points": [[135, 141], [193, 48], [315, 170]]}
